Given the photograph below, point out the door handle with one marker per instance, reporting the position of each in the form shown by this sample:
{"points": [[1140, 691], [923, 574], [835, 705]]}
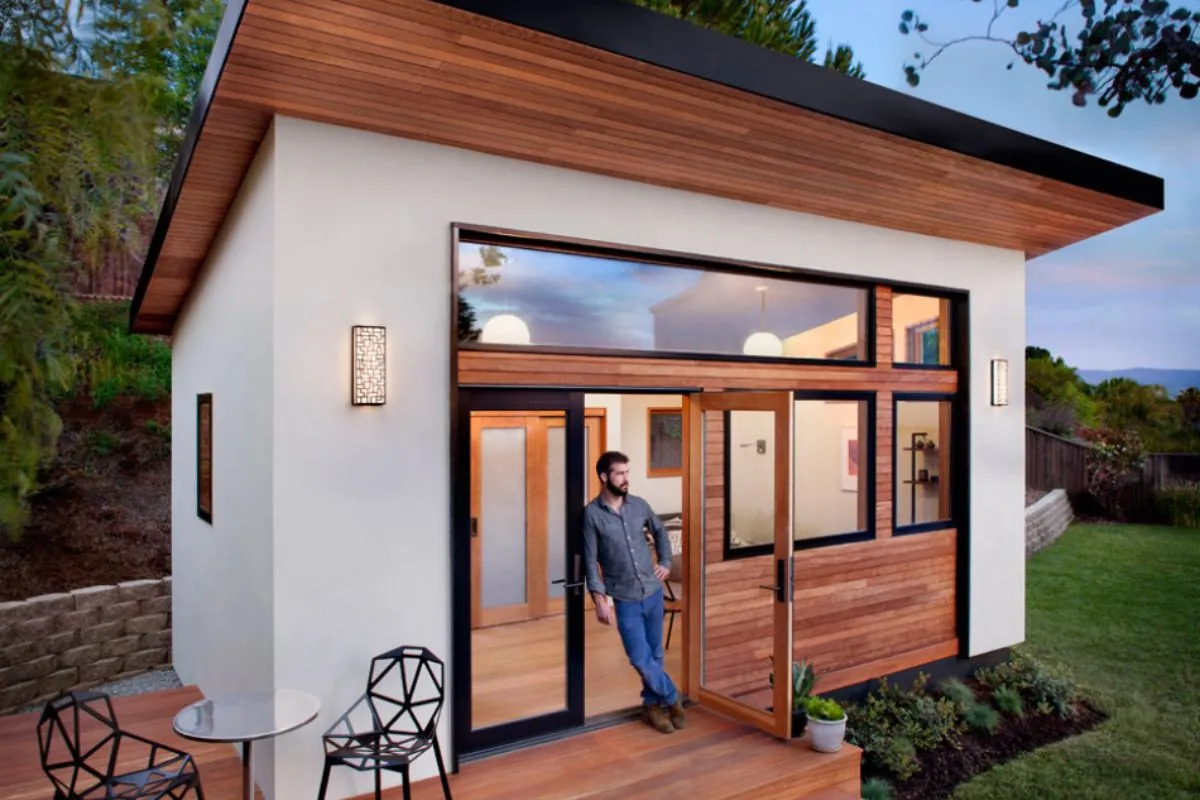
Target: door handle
{"points": [[779, 588], [577, 581], [474, 527]]}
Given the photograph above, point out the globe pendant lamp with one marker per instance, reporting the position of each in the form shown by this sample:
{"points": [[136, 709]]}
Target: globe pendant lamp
{"points": [[763, 342], [505, 327]]}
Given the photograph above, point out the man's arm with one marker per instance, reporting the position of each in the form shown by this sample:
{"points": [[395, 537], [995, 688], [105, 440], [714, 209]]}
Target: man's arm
{"points": [[591, 563], [662, 542]]}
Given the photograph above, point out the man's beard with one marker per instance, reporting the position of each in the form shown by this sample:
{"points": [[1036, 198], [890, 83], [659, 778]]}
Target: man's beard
{"points": [[618, 491]]}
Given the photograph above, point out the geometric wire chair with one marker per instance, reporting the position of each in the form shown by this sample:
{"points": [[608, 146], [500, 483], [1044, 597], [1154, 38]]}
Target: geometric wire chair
{"points": [[81, 745], [394, 722]]}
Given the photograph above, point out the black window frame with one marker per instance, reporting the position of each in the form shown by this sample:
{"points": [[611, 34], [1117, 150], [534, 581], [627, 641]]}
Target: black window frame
{"points": [[871, 398], [953, 401]]}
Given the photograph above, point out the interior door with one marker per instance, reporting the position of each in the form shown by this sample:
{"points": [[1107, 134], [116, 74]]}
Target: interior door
{"points": [[740, 555], [519, 490]]}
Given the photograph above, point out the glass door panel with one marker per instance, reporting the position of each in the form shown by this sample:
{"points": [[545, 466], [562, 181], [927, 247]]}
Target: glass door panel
{"points": [[739, 492]]}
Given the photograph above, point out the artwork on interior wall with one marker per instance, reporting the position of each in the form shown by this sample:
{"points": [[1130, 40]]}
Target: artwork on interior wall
{"points": [[204, 457], [850, 458]]}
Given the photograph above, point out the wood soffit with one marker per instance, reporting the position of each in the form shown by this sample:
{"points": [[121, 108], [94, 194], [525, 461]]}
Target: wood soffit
{"points": [[434, 72]]}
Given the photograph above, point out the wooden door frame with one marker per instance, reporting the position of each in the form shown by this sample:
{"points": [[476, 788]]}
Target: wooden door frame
{"points": [[780, 404]]}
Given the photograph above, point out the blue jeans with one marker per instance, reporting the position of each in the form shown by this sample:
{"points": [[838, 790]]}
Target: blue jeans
{"points": [[641, 627]]}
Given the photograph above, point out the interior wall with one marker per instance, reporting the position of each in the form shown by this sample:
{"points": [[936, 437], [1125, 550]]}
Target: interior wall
{"points": [[362, 494], [824, 504], [222, 603], [917, 417], [665, 495]]}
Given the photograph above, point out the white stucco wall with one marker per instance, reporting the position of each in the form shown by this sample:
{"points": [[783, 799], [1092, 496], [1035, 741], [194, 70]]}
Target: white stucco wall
{"points": [[222, 606], [361, 495]]}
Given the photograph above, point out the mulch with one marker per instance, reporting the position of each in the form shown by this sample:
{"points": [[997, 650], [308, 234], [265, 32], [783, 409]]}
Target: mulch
{"points": [[104, 514], [945, 768]]}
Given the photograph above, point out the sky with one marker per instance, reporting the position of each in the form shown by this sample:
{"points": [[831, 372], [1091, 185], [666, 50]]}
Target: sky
{"points": [[1127, 298]]}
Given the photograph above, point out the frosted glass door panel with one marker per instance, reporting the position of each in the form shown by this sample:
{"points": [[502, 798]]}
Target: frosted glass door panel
{"points": [[502, 479], [556, 500]]}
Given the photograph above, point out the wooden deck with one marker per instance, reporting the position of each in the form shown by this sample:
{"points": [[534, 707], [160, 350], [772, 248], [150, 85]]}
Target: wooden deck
{"points": [[713, 758]]}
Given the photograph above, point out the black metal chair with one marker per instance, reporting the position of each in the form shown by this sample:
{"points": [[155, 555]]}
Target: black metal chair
{"points": [[81, 746], [394, 723]]}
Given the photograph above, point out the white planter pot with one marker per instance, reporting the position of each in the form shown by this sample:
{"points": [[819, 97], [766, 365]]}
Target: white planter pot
{"points": [[826, 737]]}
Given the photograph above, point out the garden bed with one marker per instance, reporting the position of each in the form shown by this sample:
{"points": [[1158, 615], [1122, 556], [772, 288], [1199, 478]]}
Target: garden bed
{"points": [[942, 770]]}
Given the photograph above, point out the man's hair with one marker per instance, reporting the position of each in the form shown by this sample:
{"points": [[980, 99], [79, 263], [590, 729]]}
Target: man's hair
{"points": [[605, 463]]}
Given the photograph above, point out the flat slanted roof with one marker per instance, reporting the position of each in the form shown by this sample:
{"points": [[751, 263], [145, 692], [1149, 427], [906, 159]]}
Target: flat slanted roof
{"points": [[607, 87]]}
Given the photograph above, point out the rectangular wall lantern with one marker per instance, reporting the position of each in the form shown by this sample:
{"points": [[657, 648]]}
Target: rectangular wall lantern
{"points": [[999, 381], [368, 365]]}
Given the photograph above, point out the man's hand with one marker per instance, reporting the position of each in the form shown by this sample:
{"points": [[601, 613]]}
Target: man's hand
{"points": [[604, 611], [661, 572]]}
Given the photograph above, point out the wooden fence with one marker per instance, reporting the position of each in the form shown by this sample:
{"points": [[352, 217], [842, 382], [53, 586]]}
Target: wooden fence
{"points": [[1052, 462]]}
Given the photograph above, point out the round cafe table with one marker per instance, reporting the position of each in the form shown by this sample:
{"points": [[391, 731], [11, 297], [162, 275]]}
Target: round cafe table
{"points": [[245, 718]]}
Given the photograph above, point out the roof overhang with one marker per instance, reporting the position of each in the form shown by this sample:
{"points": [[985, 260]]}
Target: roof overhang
{"points": [[607, 87]]}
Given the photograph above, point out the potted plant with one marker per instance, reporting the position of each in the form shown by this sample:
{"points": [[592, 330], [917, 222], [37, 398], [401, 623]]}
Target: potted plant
{"points": [[828, 726], [803, 679]]}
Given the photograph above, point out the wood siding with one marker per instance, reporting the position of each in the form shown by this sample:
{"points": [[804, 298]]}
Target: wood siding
{"points": [[421, 70]]}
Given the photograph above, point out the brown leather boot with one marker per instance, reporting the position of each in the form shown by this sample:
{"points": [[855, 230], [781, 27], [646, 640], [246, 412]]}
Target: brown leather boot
{"points": [[656, 717], [678, 719]]}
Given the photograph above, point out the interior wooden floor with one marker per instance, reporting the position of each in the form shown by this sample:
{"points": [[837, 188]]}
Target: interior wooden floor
{"points": [[149, 715], [712, 758], [518, 670]]}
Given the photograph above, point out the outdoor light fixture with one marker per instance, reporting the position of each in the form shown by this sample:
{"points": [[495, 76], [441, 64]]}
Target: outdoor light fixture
{"points": [[763, 343], [505, 329], [999, 381], [368, 365]]}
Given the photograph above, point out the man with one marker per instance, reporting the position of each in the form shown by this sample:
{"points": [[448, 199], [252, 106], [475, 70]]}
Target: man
{"points": [[613, 541]]}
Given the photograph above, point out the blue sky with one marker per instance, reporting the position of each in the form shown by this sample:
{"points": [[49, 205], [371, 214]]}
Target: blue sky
{"points": [[1127, 298]]}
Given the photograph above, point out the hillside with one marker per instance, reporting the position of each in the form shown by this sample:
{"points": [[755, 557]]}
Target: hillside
{"points": [[1175, 380]]}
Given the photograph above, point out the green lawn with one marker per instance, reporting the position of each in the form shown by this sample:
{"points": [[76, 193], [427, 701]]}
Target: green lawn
{"points": [[1120, 605]]}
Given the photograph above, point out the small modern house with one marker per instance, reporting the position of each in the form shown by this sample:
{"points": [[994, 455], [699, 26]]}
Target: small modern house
{"points": [[423, 261]]}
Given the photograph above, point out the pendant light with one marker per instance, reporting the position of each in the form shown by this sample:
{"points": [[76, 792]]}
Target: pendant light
{"points": [[505, 327], [763, 342]]}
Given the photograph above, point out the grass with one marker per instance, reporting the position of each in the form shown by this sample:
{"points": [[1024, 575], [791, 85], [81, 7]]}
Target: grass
{"points": [[1120, 605]]}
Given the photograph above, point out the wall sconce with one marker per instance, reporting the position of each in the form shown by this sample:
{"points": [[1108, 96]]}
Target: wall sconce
{"points": [[999, 381], [368, 370]]}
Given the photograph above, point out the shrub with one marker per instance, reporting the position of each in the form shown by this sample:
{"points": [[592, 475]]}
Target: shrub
{"points": [[1008, 700], [1049, 688], [112, 362], [1180, 504], [1113, 463], [957, 692], [982, 717], [876, 789], [895, 723], [825, 709]]}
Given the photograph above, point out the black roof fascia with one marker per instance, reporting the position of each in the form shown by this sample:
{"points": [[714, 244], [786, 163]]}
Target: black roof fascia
{"points": [[619, 27]]}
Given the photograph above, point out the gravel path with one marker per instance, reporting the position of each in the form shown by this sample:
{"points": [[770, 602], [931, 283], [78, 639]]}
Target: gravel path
{"points": [[155, 681]]}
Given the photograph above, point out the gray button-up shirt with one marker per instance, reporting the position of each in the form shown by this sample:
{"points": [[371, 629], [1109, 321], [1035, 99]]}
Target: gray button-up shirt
{"points": [[615, 542]]}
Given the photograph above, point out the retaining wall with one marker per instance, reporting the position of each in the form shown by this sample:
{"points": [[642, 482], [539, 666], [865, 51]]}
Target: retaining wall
{"points": [[76, 640], [1046, 520]]}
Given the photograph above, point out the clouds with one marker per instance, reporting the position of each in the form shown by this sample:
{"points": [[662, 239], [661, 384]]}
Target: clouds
{"points": [[1130, 297]]}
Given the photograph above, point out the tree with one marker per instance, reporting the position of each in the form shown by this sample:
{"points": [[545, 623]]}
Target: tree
{"points": [[1122, 50], [1056, 398], [1189, 402], [785, 26]]}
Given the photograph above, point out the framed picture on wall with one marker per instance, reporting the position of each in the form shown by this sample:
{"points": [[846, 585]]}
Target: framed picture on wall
{"points": [[204, 453], [849, 457]]}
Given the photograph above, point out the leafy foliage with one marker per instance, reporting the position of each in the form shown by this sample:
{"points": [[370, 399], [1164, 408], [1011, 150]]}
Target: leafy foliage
{"points": [[1114, 462], [957, 692], [981, 717], [112, 362], [1009, 701], [1180, 504], [785, 26], [894, 723], [1049, 688], [803, 681], [1121, 50], [1056, 398], [876, 789], [824, 708]]}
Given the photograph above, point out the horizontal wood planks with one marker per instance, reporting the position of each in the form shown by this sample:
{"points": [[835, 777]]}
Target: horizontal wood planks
{"points": [[712, 758], [494, 368], [888, 600], [420, 70]]}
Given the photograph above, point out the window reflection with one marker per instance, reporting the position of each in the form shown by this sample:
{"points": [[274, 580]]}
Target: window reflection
{"points": [[515, 296]]}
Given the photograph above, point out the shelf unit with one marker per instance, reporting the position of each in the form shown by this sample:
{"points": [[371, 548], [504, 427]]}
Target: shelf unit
{"points": [[913, 482]]}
